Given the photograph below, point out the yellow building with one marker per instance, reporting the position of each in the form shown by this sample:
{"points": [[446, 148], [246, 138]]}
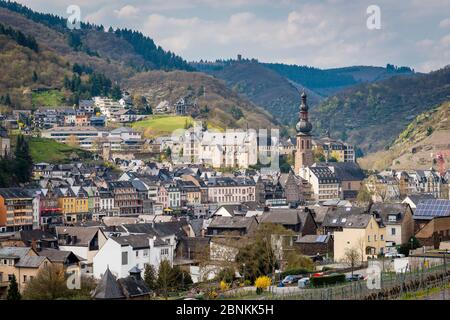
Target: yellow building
{"points": [[24, 263], [362, 233], [74, 203]]}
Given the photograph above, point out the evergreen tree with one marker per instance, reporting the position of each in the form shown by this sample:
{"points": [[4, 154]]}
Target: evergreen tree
{"points": [[150, 277], [13, 290], [23, 162], [116, 93]]}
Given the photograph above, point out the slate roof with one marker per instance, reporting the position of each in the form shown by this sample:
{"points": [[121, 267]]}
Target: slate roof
{"points": [[17, 252], [319, 212], [384, 210], [284, 216], [59, 256], [133, 287], [14, 193], [30, 261], [346, 171], [108, 288], [29, 235], [137, 241], [324, 174], [416, 198], [339, 216], [84, 234], [235, 222], [313, 238]]}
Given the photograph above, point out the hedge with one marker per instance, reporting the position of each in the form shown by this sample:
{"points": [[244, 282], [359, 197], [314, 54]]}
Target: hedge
{"points": [[327, 280], [294, 272]]}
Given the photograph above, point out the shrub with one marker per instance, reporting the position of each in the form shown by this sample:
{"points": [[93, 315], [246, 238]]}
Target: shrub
{"points": [[327, 280], [262, 283], [224, 286], [295, 272]]}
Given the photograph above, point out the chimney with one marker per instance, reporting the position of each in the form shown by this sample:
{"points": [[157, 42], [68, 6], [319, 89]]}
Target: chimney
{"points": [[34, 245]]}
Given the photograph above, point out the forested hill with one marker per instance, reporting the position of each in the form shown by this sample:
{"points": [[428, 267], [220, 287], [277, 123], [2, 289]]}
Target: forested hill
{"points": [[89, 39], [372, 115]]}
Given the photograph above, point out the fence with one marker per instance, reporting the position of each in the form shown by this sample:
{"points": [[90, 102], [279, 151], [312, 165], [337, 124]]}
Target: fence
{"points": [[392, 286]]}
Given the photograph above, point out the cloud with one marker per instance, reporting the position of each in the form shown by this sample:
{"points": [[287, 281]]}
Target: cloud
{"points": [[445, 23], [126, 12], [325, 33]]}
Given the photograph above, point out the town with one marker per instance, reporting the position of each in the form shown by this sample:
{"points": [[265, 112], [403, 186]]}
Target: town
{"points": [[198, 214]]}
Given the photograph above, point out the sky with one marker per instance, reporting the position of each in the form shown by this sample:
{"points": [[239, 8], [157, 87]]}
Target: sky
{"points": [[319, 33]]}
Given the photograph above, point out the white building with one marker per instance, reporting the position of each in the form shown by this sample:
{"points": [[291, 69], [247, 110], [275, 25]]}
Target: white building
{"points": [[233, 148], [107, 106], [325, 185], [122, 253]]}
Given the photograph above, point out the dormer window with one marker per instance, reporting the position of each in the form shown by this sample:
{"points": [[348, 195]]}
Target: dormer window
{"points": [[344, 220], [392, 218]]}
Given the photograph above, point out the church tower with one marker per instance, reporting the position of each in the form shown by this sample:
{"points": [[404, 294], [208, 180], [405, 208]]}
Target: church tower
{"points": [[303, 152]]}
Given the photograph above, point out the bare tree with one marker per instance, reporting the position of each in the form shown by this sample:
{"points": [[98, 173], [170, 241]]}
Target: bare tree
{"points": [[351, 257]]}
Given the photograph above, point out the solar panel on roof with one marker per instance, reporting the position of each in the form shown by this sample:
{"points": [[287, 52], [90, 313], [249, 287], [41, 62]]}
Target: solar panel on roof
{"points": [[433, 207]]}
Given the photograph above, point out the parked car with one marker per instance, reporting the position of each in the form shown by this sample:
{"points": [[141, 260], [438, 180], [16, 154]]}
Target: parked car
{"points": [[290, 279], [303, 282], [394, 255], [354, 277]]}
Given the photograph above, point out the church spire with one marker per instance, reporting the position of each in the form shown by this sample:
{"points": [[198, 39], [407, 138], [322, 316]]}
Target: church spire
{"points": [[303, 126]]}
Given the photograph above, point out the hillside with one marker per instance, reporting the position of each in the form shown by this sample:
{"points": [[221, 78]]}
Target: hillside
{"points": [[326, 82], [427, 134], [372, 115], [262, 86], [217, 104], [275, 86], [131, 48], [70, 63]]}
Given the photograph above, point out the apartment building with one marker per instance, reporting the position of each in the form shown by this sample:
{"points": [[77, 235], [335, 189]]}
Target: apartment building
{"points": [[16, 209]]}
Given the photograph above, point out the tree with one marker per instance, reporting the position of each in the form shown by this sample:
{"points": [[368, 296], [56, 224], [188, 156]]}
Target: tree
{"points": [[364, 196], [297, 261], [72, 141], [49, 284], [23, 164], [116, 93], [226, 275], [165, 277], [13, 290], [150, 276], [258, 255], [351, 257], [181, 279]]}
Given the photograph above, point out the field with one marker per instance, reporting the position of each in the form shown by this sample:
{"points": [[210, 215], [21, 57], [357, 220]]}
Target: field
{"points": [[156, 126], [47, 150], [50, 98]]}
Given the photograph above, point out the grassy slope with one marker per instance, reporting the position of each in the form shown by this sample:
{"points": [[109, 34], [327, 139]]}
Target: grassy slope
{"points": [[427, 133], [50, 98], [48, 150], [155, 126]]}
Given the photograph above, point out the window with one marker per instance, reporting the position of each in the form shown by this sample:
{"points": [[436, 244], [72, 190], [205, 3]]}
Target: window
{"points": [[368, 238], [393, 231], [137, 253], [145, 252], [124, 258], [24, 278], [382, 237]]}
